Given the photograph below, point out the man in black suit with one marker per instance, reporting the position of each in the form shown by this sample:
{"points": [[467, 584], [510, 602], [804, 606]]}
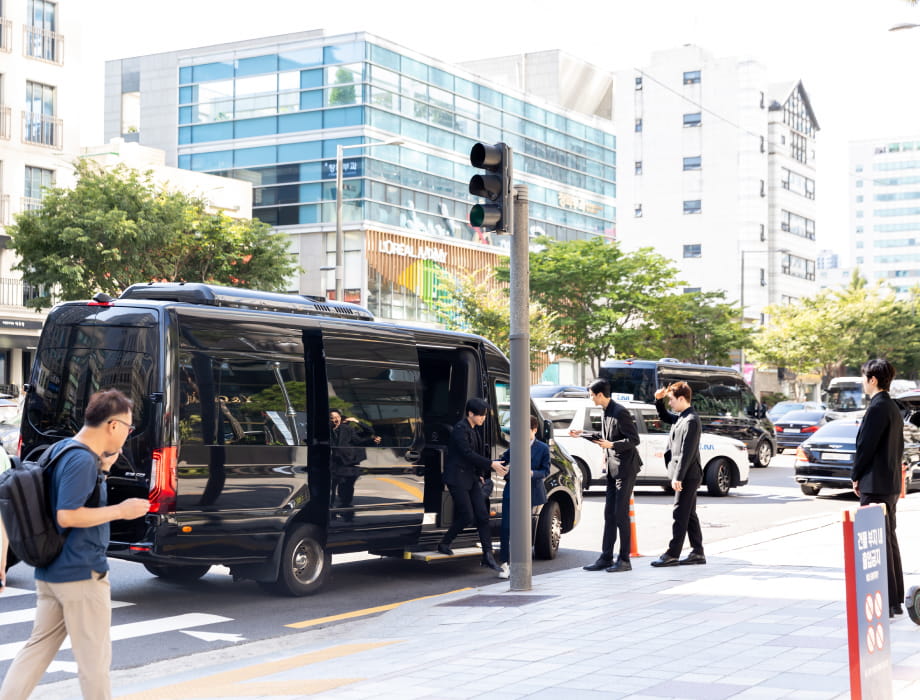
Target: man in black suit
{"points": [[619, 438], [685, 472], [465, 470], [876, 470]]}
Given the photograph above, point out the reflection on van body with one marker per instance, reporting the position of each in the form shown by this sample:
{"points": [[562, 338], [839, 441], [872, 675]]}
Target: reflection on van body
{"points": [[233, 391]]}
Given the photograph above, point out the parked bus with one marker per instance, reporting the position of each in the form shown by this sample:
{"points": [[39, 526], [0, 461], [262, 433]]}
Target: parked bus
{"points": [[845, 398]]}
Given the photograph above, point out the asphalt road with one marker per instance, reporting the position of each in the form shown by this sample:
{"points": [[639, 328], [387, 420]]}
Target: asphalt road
{"points": [[156, 620]]}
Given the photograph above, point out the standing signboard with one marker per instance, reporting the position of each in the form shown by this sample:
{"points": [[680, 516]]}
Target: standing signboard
{"points": [[867, 603]]}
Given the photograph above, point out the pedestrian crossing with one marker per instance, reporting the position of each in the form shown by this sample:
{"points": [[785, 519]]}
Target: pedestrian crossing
{"points": [[120, 632]]}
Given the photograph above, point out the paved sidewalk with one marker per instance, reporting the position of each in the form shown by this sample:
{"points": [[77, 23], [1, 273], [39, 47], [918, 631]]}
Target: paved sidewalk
{"points": [[765, 618]]}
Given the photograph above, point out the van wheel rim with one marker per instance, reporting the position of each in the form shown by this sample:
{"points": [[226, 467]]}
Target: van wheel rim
{"points": [[306, 562], [723, 478], [556, 530]]}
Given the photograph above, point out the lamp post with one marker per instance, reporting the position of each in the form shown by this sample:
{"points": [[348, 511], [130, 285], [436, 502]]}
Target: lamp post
{"points": [[339, 229]]}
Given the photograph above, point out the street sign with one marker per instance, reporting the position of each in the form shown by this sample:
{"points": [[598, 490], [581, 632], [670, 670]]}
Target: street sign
{"points": [[866, 568]]}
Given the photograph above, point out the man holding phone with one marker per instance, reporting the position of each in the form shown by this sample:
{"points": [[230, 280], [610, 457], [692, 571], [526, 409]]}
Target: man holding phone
{"points": [[619, 438]]}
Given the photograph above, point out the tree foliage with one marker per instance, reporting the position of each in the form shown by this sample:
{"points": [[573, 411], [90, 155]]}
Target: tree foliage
{"points": [[478, 308], [598, 295], [839, 329], [116, 228]]}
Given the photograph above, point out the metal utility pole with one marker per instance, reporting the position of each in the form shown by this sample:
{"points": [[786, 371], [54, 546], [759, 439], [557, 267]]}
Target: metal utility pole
{"points": [[521, 543]]}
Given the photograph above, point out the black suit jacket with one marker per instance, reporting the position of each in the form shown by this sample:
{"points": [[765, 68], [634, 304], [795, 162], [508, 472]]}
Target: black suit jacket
{"points": [[623, 458], [879, 447], [466, 460]]}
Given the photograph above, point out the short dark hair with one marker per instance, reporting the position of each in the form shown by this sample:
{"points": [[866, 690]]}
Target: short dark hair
{"points": [[681, 389], [882, 370], [534, 423], [600, 386], [103, 405], [477, 406]]}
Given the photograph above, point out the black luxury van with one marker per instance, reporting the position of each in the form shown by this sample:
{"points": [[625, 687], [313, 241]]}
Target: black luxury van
{"points": [[232, 393]]}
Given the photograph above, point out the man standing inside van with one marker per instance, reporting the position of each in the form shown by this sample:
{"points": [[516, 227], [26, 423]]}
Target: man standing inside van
{"points": [[619, 438], [876, 472], [73, 591], [685, 472]]}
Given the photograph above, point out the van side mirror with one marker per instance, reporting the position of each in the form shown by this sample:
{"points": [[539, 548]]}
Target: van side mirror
{"points": [[547, 430]]}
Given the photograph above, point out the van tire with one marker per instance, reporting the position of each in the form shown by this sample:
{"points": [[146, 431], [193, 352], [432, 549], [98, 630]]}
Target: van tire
{"points": [[810, 490], [763, 454], [549, 531], [718, 477], [305, 563], [178, 573]]}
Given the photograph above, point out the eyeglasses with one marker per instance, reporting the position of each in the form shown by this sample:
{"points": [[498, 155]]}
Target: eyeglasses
{"points": [[127, 425]]}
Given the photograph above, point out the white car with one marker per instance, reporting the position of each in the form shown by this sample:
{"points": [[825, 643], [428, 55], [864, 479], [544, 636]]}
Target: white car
{"points": [[725, 460]]}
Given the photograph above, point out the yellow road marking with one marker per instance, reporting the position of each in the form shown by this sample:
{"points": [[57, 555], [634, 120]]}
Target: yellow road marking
{"points": [[233, 683], [367, 611], [414, 490]]}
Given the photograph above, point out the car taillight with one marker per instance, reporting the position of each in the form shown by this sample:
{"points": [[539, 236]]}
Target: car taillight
{"points": [[800, 453], [778, 428], [810, 429], [164, 480]]}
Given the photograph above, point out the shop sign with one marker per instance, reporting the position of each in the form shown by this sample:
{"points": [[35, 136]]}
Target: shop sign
{"points": [[409, 250]]}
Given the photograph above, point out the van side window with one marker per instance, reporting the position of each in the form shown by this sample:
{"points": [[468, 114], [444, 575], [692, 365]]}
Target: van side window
{"points": [[653, 424], [594, 420], [228, 400], [503, 407], [375, 382]]}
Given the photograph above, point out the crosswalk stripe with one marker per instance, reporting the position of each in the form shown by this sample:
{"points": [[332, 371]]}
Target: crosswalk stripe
{"points": [[14, 617], [134, 629]]}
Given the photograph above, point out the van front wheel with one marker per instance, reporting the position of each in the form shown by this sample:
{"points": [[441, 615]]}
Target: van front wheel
{"points": [[549, 531], [763, 454], [305, 563]]}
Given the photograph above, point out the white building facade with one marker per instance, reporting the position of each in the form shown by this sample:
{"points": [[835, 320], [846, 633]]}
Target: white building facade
{"points": [[718, 173], [39, 127], [885, 211]]}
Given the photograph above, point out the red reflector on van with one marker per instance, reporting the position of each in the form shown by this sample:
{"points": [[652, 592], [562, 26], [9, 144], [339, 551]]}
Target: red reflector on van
{"points": [[139, 549], [163, 481]]}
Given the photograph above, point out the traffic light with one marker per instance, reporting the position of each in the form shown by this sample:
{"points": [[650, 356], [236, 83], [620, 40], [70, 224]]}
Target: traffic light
{"points": [[494, 185]]}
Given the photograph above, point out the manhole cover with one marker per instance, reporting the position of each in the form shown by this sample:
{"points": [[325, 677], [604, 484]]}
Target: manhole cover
{"points": [[497, 601]]}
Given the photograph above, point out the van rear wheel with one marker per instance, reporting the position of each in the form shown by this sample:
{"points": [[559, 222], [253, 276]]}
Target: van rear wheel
{"points": [[549, 531], [305, 563], [763, 454], [718, 478], [178, 573]]}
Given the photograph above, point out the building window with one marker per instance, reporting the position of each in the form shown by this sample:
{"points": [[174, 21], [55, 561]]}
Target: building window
{"points": [[638, 82], [859, 198], [39, 125], [795, 266], [860, 244], [692, 290], [797, 148], [763, 232], [763, 188], [693, 250], [638, 211], [37, 180], [638, 167], [693, 163], [691, 77], [763, 144], [41, 38], [797, 225], [638, 125], [693, 119], [693, 206]]}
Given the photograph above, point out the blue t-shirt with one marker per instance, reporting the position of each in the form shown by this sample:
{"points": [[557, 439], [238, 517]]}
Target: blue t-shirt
{"points": [[73, 481]]}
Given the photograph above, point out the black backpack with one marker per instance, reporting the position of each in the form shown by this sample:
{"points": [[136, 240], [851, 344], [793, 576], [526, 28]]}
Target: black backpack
{"points": [[25, 505]]}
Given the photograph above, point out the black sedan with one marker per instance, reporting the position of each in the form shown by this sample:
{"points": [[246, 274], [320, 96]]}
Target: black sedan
{"points": [[795, 427], [825, 459]]}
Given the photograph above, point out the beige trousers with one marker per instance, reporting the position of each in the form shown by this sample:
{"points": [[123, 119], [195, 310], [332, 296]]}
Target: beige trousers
{"points": [[81, 609]]}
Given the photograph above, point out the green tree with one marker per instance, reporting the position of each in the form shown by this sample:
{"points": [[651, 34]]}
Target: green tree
{"points": [[698, 327], [477, 308], [598, 295], [116, 228]]}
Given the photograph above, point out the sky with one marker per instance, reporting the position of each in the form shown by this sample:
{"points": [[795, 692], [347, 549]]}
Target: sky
{"points": [[861, 78]]}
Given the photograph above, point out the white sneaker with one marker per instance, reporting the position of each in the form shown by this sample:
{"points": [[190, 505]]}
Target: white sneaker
{"points": [[505, 572]]}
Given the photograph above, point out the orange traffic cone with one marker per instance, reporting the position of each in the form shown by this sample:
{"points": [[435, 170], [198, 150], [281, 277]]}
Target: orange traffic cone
{"points": [[633, 541]]}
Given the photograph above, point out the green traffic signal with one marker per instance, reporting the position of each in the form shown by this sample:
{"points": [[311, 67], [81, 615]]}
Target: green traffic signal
{"points": [[494, 185]]}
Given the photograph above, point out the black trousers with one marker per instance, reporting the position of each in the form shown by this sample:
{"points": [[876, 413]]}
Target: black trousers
{"points": [[616, 517], [892, 551], [686, 524], [469, 508]]}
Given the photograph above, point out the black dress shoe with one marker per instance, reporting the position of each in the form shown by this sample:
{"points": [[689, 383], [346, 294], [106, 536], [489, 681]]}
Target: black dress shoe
{"points": [[489, 561], [444, 549], [694, 558], [895, 609], [599, 565], [621, 565], [666, 560]]}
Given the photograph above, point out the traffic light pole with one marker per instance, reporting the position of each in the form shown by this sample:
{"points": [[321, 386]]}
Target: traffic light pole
{"points": [[521, 542]]}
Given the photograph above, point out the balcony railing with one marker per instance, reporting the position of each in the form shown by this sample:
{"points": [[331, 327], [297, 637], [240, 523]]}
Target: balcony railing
{"points": [[15, 292], [43, 44], [42, 129], [5, 120], [30, 204], [6, 35], [4, 210]]}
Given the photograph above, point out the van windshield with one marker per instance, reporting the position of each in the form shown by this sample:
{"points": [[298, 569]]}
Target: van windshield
{"points": [[846, 397], [638, 382]]}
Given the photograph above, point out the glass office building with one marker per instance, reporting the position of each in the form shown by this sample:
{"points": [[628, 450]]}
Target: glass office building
{"points": [[273, 111]]}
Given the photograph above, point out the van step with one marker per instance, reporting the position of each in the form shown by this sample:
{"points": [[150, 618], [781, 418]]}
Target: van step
{"points": [[435, 555]]}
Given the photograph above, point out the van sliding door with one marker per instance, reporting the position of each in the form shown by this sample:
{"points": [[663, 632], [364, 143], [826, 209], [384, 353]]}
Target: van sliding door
{"points": [[377, 475]]}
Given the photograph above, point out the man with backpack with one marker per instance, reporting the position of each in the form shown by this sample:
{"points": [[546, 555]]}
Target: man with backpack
{"points": [[73, 590]]}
